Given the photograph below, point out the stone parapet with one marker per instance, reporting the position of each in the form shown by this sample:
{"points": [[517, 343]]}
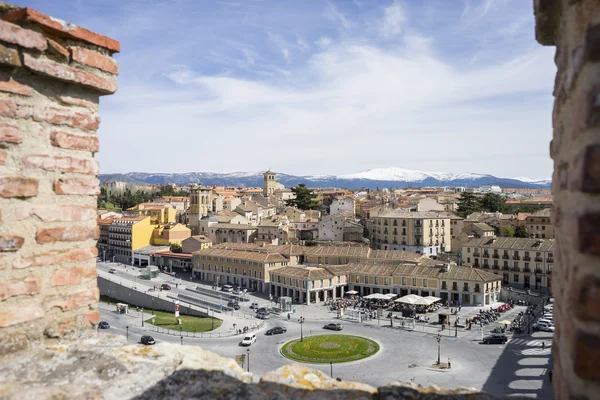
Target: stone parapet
{"points": [[52, 74]]}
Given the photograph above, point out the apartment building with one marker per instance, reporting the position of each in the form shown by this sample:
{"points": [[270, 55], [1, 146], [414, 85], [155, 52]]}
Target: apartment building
{"points": [[249, 269], [447, 281], [127, 234], [420, 232], [524, 263], [231, 233], [344, 205], [539, 225], [334, 255], [195, 243]]}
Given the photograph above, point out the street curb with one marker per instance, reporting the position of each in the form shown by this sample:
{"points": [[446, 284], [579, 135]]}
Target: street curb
{"points": [[437, 370]]}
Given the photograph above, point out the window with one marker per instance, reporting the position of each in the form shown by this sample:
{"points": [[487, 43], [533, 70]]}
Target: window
{"points": [[326, 260], [414, 281], [444, 285], [468, 259], [516, 278], [376, 280], [424, 282], [385, 281], [366, 279], [404, 280], [319, 260], [235, 271], [468, 249], [357, 279]]}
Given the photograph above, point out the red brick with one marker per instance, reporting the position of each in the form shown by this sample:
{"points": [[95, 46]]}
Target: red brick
{"points": [[72, 276], [586, 356], [3, 156], [588, 233], [55, 257], [64, 72], [18, 315], [93, 317], [584, 298], [12, 109], [74, 142], [9, 56], [28, 286], [78, 186], [60, 213], [57, 48], [74, 101], [63, 164], [10, 133], [74, 300], [11, 243], [65, 116], [14, 34], [15, 88], [68, 234], [61, 28], [94, 59], [16, 186]]}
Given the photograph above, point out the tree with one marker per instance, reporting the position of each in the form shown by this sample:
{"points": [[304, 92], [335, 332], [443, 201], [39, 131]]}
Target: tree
{"points": [[175, 247], [493, 202], [305, 198], [468, 203], [507, 231], [521, 232]]}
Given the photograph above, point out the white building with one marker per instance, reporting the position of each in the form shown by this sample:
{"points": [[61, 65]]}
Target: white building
{"points": [[345, 205], [331, 227]]}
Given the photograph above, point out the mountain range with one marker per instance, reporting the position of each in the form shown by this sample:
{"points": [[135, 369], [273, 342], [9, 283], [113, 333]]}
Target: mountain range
{"points": [[373, 178]]}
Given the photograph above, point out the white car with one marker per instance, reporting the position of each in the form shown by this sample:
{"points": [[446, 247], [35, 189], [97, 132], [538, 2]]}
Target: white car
{"points": [[248, 339], [546, 328]]}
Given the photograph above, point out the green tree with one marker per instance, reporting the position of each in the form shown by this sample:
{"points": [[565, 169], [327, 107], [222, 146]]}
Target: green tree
{"points": [[507, 231], [175, 247], [305, 198], [493, 202], [521, 232], [468, 203]]}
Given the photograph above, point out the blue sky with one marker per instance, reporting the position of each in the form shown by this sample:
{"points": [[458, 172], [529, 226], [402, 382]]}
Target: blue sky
{"points": [[322, 87]]}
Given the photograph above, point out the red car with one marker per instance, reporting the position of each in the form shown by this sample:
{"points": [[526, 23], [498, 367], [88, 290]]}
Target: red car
{"points": [[164, 286]]}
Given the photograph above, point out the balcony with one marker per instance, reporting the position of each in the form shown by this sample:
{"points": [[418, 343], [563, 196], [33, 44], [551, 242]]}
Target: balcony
{"points": [[516, 269], [550, 259], [455, 288], [516, 257], [526, 269], [477, 290], [505, 268], [486, 255], [495, 255], [505, 256], [495, 267], [465, 289], [527, 258], [444, 287], [538, 271], [539, 259], [476, 254], [486, 266]]}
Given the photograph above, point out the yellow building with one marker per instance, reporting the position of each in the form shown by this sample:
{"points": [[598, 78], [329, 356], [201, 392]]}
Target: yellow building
{"points": [[164, 235], [126, 234], [159, 213]]}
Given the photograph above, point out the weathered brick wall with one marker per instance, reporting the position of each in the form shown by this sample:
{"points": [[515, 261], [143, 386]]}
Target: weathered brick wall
{"points": [[573, 26], [51, 76]]}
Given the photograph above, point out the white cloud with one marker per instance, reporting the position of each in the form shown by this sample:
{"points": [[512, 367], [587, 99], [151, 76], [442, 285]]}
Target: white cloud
{"points": [[393, 21], [323, 41], [337, 17]]}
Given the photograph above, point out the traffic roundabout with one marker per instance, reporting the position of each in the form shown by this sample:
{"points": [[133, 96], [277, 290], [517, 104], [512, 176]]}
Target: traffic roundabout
{"points": [[322, 349]]}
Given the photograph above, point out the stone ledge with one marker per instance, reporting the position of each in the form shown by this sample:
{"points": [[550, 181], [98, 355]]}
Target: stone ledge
{"points": [[105, 367]]}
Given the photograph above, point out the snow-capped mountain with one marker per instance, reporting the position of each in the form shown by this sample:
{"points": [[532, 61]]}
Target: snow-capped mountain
{"points": [[373, 178]]}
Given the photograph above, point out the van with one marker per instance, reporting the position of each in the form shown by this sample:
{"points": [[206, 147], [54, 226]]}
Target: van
{"points": [[248, 339], [227, 288]]}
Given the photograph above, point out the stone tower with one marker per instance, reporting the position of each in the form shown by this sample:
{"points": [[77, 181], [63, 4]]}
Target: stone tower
{"points": [[269, 183], [200, 205]]}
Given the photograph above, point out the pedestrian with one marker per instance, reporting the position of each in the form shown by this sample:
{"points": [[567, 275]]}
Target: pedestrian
{"points": [[449, 364], [543, 345]]}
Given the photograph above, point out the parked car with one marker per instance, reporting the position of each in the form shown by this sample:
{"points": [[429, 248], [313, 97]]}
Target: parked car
{"points": [[103, 325], [165, 286], [248, 339], [333, 326], [544, 320], [546, 328], [227, 288], [262, 310], [276, 331], [491, 339], [254, 306], [542, 324], [147, 340], [112, 271], [262, 315], [234, 305]]}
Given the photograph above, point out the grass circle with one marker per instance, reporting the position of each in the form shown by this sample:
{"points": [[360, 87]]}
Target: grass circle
{"points": [[322, 349]]}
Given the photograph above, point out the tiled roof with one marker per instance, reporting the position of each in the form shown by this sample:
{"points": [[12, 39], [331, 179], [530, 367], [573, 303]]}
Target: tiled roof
{"points": [[303, 272], [483, 226], [542, 213], [246, 227], [262, 256], [411, 214], [513, 243]]}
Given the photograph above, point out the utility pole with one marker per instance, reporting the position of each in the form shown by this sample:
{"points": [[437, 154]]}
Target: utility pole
{"points": [[248, 352], [301, 321], [331, 367], [439, 339], [127, 328]]}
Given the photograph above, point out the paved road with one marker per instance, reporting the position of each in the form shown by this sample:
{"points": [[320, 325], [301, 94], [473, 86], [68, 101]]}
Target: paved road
{"points": [[519, 367]]}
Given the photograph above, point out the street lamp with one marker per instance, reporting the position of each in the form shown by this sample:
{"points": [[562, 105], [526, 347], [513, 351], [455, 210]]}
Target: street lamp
{"points": [[127, 328], [182, 340], [301, 321], [213, 320], [331, 367], [142, 316], [248, 352], [439, 339], [456, 327]]}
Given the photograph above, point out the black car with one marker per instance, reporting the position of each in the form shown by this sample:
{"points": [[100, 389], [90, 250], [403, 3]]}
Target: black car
{"points": [[233, 305], [147, 340], [333, 326], [276, 331], [103, 325], [164, 286], [499, 339]]}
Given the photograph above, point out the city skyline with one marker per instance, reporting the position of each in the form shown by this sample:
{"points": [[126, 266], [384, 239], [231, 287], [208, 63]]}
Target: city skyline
{"points": [[323, 88]]}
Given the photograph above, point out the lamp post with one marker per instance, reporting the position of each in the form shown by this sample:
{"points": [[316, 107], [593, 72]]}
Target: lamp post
{"points": [[142, 316], [331, 367], [301, 321], [439, 339], [127, 328], [456, 328], [248, 357], [213, 320], [182, 340]]}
